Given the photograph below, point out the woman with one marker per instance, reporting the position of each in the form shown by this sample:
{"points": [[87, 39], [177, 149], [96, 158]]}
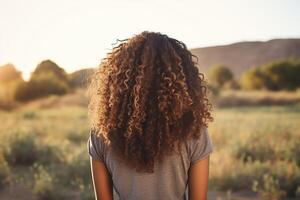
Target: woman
{"points": [[149, 116]]}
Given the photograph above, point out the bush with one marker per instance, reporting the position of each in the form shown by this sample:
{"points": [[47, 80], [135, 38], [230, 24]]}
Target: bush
{"points": [[80, 172], [77, 136], [49, 67], [232, 84], [280, 75], [282, 180], [40, 86], [30, 115], [240, 179], [78, 168], [9, 73], [9, 78], [284, 75], [86, 189], [263, 148], [254, 79], [21, 148], [256, 149], [50, 153], [43, 185], [219, 75], [294, 154], [4, 172], [269, 188]]}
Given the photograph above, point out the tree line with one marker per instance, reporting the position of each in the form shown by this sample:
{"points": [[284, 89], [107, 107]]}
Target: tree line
{"points": [[273, 76], [48, 78]]}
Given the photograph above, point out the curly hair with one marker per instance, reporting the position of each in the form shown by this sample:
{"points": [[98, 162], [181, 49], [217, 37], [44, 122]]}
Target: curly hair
{"points": [[146, 97]]}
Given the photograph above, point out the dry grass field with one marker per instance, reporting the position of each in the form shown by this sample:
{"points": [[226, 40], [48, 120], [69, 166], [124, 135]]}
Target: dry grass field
{"points": [[43, 151]]}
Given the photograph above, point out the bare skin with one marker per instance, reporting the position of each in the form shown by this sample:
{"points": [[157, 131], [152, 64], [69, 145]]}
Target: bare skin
{"points": [[102, 181], [198, 180]]}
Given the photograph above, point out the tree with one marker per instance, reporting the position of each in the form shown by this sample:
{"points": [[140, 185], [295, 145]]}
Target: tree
{"points": [[254, 79], [232, 85], [9, 78], [279, 75], [48, 78], [284, 75], [9, 73], [219, 75], [50, 67], [40, 86]]}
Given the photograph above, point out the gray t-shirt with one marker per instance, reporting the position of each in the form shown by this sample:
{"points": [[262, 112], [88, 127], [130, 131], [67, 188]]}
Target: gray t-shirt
{"points": [[169, 180]]}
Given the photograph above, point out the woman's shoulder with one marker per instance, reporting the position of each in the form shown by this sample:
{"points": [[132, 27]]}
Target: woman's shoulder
{"points": [[96, 145], [199, 147]]}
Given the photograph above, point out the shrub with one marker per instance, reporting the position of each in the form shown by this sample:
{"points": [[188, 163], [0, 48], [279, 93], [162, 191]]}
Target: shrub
{"points": [[298, 192], [50, 153], [295, 151], [40, 86], [21, 148], [4, 172], [232, 84], [49, 67], [281, 180], [255, 149], [276, 178], [254, 79], [86, 189], [78, 168], [77, 136], [80, 172], [280, 75], [269, 188], [9, 73], [30, 115], [284, 75], [213, 90], [241, 179], [9, 78], [43, 185], [219, 75], [268, 148]]}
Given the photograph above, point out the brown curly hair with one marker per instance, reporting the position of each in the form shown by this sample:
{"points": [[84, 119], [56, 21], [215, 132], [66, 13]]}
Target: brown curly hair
{"points": [[146, 97]]}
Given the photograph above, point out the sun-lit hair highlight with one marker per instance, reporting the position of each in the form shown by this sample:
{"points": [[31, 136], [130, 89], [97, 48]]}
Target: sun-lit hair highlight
{"points": [[146, 97]]}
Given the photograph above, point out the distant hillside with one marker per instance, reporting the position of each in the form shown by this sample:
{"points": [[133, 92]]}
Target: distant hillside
{"points": [[243, 55]]}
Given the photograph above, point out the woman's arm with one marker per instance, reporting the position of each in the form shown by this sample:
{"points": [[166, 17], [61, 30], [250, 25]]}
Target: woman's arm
{"points": [[102, 181], [198, 179]]}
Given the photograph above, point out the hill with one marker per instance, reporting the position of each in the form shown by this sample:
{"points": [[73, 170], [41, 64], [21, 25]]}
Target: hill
{"points": [[243, 55]]}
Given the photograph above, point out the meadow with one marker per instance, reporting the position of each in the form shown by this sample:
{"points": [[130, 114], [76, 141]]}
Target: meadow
{"points": [[257, 149], [43, 153]]}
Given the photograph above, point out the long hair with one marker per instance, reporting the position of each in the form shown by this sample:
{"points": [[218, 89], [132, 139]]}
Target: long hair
{"points": [[146, 97]]}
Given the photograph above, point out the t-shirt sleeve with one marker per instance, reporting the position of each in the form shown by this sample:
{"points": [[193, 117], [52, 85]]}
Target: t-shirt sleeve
{"points": [[95, 147], [201, 147]]}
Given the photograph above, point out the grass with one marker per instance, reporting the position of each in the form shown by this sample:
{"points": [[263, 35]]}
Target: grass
{"points": [[255, 148], [239, 98], [55, 138], [254, 142]]}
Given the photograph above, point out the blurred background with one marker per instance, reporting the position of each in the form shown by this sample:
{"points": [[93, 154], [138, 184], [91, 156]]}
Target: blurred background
{"points": [[249, 52]]}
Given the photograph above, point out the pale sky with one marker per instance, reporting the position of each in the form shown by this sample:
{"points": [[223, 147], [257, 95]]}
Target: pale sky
{"points": [[77, 33]]}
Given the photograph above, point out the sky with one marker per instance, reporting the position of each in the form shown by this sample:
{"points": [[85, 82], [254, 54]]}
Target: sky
{"points": [[77, 34]]}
